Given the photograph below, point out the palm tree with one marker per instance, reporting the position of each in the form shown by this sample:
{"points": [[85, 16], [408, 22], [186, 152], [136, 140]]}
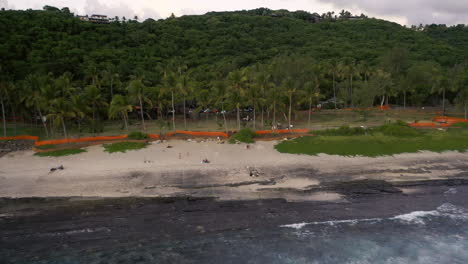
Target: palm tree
{"points": [[236, 80], [119, 106], [136, 91], [94, 97], [312, 90], [79, 105], [334, 70], [290, 85], [3, 95], [33, 96], [219, 90], [61, 110], [184, 87], [170, 83]]}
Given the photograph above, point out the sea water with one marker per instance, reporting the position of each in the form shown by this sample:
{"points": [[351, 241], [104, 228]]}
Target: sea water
{"points": [[434, 236]]}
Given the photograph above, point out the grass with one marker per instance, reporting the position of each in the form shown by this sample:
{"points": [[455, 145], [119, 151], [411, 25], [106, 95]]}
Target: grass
{"points": [[137, 135], [245, 135], [60, 153], [124, 146], [376, 144]]}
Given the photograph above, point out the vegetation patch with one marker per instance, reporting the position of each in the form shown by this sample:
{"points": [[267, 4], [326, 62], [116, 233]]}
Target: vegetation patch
{"points": [[137, 135], [244, 135], [460, 125], [60, 153], [374, 145], [124, 146], [342, 131], [398, 129]]}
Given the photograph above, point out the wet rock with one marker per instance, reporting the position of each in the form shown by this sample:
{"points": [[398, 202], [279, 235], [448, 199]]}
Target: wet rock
{"points": [[7, 146], [364, 187]]}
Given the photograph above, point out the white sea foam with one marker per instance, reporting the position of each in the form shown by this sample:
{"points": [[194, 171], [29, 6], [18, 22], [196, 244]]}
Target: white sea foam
{"points": [[416, 217]]}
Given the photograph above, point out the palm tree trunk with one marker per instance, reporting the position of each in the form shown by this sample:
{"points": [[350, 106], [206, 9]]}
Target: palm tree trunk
{"points": [[274, 113], [404, 99], [43, 122], [254, 118], [224, 117], [112, 87], [289, 113], [334, 90], [94, 120], [310, 110], [173, 111], [124, 115], [142, 115], [238, 117], [185, 117], [443, 102], [3, 116], [262, 118], [64, 127], [466, 109], [351, 91]]}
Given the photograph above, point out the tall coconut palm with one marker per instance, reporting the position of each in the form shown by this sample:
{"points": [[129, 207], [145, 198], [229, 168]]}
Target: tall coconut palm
{"points": [[60, 110], [184, 87], [170, 84], [3, 95], [136, 91], [334, 69], [119, 106], [219, 90], [236, 80], [96, 100], [290, 85]]}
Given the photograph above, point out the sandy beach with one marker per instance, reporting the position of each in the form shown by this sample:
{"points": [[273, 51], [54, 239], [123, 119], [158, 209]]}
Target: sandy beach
{"points": [[174, 168]]}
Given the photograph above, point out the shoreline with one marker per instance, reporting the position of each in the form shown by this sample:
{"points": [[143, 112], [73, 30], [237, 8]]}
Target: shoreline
{"points": [[234, 172]]}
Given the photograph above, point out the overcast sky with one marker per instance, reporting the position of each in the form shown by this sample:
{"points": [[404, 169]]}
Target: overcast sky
{"points": [[409, 12]]}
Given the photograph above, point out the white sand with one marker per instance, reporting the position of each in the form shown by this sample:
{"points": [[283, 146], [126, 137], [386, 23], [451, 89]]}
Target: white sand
{"points": [[100, 174]]}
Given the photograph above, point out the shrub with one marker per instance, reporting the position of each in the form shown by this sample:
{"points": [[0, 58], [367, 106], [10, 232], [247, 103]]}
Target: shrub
{"points": [[123, 146], [460, 124], [60, 153], [245, 135], [342, 131], [397, 129], [137, 135]]}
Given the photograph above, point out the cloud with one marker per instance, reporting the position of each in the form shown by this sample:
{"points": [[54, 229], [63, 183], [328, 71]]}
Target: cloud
{"points": [[413, 11], [120, 9], [4, 4]]}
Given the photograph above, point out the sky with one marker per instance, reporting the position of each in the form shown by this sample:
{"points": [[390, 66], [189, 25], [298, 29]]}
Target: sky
{"points": [[405, 12]]}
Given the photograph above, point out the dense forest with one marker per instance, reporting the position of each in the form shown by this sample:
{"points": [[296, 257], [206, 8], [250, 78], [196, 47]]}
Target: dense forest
{"points": [[70, 73]]}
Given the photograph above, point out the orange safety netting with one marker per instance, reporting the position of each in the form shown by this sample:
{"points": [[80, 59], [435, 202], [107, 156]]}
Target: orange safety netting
{"points": [[155, 136], [422, 124], [78, 140], [20, 137], [281, 131], [381, 107], [449, 120], [198, 133]]}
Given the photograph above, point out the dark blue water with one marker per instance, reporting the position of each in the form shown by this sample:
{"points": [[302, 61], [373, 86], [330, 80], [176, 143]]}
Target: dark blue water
{"points": [[435, 236]]}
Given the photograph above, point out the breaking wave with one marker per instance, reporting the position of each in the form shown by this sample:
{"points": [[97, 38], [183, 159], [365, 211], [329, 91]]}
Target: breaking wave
{"points": [[416, 217]]}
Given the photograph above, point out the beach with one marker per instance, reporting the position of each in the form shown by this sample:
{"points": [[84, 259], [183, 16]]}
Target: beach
{"points": [[235, 172]]}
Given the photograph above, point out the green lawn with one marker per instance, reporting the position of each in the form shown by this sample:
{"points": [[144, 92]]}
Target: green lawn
{"points": [[124, 146], [60, 153], [375, 145]]}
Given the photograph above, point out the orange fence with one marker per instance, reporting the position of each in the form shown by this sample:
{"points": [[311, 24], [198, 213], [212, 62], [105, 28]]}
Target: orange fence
{"points": [[154, 136], [78, 140], [20, 137], [281, 131], [449, 120], [197, 133], [380, 107], [422, 124]]}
